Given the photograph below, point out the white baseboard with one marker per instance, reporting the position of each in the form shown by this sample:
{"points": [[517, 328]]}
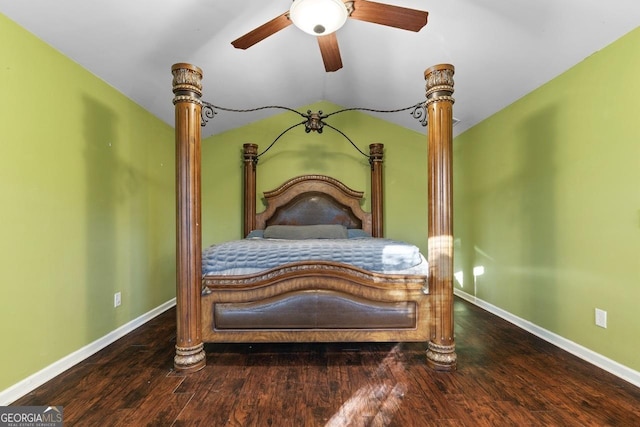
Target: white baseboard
{"points": [[29, 384], [611, 366]]}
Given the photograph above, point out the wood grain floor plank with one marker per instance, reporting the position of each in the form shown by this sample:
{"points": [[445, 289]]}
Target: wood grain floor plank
{"points": [[505, 377]]}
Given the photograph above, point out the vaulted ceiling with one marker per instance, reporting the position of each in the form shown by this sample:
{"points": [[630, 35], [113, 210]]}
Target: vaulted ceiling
{"points": [[502, 49]]}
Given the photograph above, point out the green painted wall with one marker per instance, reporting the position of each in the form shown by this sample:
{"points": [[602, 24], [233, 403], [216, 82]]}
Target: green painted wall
{"points": [[87, 186], [329, 153], [547, 199]]}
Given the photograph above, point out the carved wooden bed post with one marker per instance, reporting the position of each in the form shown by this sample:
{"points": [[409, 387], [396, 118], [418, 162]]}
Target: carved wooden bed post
{"points": [[375, 158], [250, 158], [187, 89], [439, 90]]}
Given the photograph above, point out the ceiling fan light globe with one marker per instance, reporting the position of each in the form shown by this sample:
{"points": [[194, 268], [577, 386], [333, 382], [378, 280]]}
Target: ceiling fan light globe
{"points": [[318, 17]]}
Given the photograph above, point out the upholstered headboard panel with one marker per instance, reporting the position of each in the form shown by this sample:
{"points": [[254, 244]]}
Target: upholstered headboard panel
{"points": [[314, 199]]}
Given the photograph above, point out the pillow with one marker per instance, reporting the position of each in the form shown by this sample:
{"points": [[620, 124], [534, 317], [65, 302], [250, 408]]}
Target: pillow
{"points": [[301, 232], [255, 234], [355, 233]]}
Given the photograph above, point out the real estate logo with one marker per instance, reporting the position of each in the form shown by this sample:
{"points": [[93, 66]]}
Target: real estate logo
{"points": [[31, 416]]}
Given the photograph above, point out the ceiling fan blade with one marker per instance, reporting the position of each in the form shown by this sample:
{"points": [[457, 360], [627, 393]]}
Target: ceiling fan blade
{"points": [[389, 15], [330, 52], [262, 32]]}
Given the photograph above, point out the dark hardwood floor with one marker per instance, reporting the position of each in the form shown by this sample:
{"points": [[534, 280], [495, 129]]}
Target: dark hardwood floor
{"points": [[505, 377]]}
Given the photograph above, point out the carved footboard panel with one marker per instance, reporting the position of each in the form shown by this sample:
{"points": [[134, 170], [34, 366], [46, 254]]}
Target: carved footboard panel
{"points": [[315, 302]]}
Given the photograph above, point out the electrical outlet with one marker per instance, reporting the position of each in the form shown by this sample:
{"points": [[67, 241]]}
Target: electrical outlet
{"points": [[117, 299], [601, 318]]}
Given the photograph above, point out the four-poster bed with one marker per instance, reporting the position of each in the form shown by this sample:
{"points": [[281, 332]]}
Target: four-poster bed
{"points": [[314, 300]]}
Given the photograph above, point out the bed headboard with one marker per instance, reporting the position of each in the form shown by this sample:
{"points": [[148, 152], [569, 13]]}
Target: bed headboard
{"points": [[314, 199]]}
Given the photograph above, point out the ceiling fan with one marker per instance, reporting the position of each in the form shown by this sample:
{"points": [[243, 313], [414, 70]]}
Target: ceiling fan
{"points": [[322, 18]]}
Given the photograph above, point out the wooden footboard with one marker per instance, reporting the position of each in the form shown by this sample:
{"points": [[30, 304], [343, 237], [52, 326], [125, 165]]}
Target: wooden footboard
{"points": [[315, 302]]}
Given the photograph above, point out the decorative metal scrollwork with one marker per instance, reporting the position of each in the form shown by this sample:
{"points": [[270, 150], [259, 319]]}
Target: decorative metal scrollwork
{"points": [[419, 113], [313, 122], [208, 112]]}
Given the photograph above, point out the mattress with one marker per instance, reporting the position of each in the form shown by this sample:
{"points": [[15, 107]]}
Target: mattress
{"points": [[253, 255]]}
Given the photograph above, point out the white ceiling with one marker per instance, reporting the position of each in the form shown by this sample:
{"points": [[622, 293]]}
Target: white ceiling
{"points": [[502, 49]]}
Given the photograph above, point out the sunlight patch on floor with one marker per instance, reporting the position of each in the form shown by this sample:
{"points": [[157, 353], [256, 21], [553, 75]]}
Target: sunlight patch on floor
{"points": [[375, 404]]}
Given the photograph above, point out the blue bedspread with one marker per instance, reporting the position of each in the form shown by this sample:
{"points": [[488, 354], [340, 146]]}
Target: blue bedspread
{"points": [[373, 254]]}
